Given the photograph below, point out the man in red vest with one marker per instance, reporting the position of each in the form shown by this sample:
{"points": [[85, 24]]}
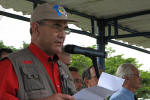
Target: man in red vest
{"points": [[33, 73]]}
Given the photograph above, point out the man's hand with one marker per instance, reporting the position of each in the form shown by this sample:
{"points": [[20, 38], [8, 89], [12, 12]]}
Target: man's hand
{"points": [[58, 97]]}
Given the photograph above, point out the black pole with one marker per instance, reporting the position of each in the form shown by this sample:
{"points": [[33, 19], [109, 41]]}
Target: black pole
{"points": [[94, 61], [92, 26], [101, 43]]}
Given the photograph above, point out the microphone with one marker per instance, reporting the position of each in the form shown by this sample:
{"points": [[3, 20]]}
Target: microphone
{"points": [[73, 49]]}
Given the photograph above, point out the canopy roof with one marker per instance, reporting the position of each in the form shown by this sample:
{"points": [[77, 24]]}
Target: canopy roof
{"points": [[126, 20]]}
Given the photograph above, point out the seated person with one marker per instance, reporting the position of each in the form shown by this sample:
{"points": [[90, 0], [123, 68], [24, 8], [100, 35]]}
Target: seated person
{"points": [[89, 77], [76, 77]]}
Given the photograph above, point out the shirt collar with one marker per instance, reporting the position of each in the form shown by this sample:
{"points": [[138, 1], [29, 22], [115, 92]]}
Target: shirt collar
{"points": [[127, 92], [41, 54]]}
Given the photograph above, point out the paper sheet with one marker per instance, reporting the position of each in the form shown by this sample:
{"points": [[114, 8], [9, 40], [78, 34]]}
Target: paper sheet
{"points": [[88, 94], [110, 82], [107, 85]]}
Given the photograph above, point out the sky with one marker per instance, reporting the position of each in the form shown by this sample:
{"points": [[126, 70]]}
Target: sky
{"points": [[13, 32]]}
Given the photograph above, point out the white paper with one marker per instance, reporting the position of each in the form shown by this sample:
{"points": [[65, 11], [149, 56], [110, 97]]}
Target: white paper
{"points": [[88, 94], [107, 85], [110, 82]]}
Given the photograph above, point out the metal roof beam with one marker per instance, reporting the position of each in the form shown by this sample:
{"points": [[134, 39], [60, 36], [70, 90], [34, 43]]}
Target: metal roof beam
{"points": [[28, 20], [128, 35], [113, 19], [145, 12], [129, 46], [92, 26], [14, 16], [37, 1], [126, 29], [113, 41], [82, 32], [135, 14], [80, 14]]}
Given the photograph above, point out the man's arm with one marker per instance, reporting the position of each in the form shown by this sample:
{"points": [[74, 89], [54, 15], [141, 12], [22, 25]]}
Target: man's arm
{"points": [[7, 96], [58, 97], [8, 81]]}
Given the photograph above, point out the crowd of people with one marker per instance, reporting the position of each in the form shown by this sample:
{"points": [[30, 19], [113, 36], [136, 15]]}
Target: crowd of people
{"points": [[42, 71]]}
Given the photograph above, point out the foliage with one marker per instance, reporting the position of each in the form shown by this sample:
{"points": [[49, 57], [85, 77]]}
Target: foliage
{"points": [[112, 63], [10, 47], [81, 62], [25, 45], [144, 91]]}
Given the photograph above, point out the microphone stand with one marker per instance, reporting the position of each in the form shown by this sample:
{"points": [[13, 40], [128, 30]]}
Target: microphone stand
{"points": [[94, 61]]}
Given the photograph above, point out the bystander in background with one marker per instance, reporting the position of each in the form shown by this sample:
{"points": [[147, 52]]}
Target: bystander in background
{"points": [[89, 77], [132, 78], [76, 77]]}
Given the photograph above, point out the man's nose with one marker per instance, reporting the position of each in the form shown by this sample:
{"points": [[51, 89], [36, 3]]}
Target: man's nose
{"points": [[62, 34]]}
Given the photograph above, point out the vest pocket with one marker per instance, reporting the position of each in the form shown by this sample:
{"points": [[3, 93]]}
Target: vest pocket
{"points": [[38, 94], [32, 79]]}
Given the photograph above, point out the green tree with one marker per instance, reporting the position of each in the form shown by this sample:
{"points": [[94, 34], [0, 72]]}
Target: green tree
{"points": [[81, 62], [144, 91], [25, 45], [10, 47], [112, 63]]}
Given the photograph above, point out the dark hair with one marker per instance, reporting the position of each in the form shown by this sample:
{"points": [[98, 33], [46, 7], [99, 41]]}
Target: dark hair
{"points": [[86, 73], [73, 69], [7, 50]]}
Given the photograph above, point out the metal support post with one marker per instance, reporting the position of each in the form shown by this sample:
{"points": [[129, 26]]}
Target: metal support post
{"points": [[101, 43]]}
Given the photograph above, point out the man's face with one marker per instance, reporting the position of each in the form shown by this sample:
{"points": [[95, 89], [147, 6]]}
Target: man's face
{"points": [[49, 36], [77, 80], [93, 81], [135, 79]]}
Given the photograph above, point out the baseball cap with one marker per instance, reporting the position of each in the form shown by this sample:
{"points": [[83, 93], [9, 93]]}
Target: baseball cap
{"points": [[49, 11]]}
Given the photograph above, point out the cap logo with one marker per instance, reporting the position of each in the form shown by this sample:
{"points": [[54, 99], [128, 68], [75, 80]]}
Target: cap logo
{"points": [[60, 10]]}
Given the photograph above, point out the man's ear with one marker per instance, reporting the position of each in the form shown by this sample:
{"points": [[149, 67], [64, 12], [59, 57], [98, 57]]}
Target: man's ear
{"points": [[126, 77], [126, 80], [35, 27]]}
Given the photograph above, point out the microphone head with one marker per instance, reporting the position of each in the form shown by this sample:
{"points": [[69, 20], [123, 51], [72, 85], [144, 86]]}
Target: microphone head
{"points": [[69, 48]]}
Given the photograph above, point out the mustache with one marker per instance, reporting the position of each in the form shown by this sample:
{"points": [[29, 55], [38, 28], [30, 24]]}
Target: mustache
{"points": [[59, 40]]}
